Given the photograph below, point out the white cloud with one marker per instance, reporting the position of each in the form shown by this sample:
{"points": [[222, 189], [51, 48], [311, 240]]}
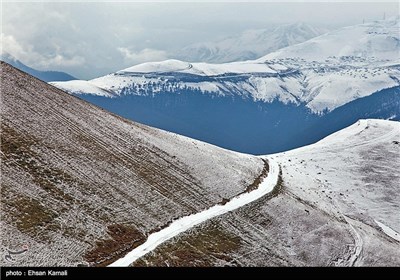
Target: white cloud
{"points": [[28, 55], [144, 55], [61, 61], [11, 46]]}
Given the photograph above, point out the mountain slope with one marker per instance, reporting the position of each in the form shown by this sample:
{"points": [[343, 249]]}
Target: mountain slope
{"points": [[337, 205], [77, 177], [47, 76], [250, 44]]}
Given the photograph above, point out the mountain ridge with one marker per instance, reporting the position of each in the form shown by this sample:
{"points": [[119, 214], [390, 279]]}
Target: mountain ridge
{"points": [[277, 97], [47, 76], [282, 75]]}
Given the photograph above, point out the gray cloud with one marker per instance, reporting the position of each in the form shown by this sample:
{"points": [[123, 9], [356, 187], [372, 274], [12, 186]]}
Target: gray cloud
{"points": [[143, 55], [92, 39]]}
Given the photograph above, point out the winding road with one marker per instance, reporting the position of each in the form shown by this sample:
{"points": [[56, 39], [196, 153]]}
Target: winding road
{"points": [[187, 222]]}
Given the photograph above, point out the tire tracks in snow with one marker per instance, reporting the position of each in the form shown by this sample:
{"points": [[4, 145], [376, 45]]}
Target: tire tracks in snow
{"points": [[181, 225]]}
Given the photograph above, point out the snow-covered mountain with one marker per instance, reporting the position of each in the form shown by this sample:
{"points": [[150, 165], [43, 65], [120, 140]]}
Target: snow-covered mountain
{"points": [[325, 72], [306, 81], [250, 44], [370, 42]]}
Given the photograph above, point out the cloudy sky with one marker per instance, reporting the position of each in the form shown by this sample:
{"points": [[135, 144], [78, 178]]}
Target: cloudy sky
{"points": [[89, 39]]}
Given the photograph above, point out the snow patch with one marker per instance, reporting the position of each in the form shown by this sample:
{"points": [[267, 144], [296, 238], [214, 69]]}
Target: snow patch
{"points": [[82, 87], [390, 232]]}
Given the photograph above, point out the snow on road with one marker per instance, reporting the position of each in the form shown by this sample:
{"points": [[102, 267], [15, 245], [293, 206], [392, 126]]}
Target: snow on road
{"points": [[187, 222], [390, 232]]}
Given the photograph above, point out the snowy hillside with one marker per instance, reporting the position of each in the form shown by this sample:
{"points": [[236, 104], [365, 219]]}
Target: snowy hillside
{"points": [[366, 155], [250, 44], [337, 205], [323, 73]]}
